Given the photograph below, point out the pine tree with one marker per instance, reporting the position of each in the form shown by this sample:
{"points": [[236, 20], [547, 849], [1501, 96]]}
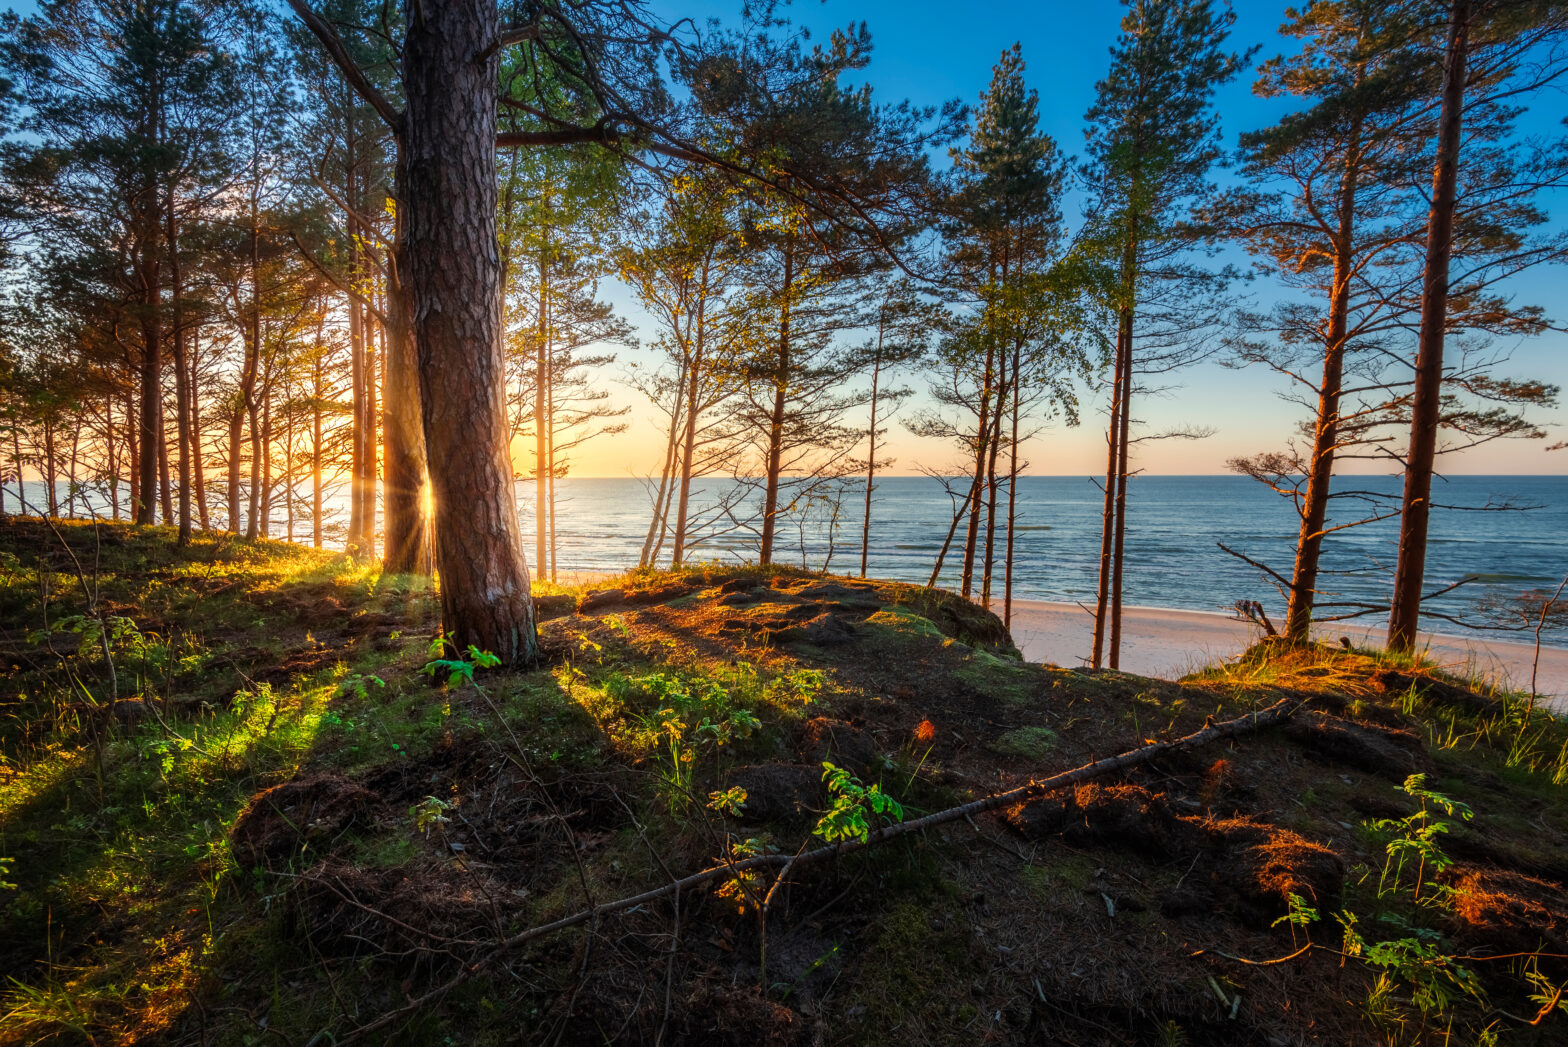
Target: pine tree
{"points": [[1152, 141]]}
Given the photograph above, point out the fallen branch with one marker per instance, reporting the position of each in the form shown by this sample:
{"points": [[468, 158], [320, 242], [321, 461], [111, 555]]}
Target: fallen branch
{"points": [[1210, 732]]}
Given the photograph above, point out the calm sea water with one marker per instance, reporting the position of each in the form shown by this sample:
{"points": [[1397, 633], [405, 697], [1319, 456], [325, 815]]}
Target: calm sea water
{"points": [[1174, 526]]}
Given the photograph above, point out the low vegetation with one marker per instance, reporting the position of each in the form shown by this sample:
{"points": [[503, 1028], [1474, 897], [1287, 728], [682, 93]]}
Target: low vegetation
{"points": [[249, 795]]}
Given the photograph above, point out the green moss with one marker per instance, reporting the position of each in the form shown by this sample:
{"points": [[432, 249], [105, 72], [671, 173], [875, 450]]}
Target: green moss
{"points": [[915, 974], [1030, 743]]}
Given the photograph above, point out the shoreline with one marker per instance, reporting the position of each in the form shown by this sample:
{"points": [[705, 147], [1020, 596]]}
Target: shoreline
{"points": [[1169, 642]]}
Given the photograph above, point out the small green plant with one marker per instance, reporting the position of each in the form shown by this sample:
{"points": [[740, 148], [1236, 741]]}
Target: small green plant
{"points": [[358, 685], [1436, 979], [1416, 838], [730, 801], [458, 670], [429, 813], [6, 870], [853, 806]]}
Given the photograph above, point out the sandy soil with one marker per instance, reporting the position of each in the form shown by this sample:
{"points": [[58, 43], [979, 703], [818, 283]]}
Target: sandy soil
{"points": [[1167, 643]]}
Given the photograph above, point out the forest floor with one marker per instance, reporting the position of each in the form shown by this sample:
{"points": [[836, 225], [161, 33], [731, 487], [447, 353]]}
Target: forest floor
{"points": [[246, 797]]}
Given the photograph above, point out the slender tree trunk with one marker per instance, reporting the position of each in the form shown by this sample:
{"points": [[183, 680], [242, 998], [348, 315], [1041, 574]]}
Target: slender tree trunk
{"points": [[977, 490], [165, 485], [1124, 444], [1410, 571], [318, 394], [152, 382], [1107, 521], [76, 443], [198, 469], [992, 485], [133, 454], [449, 75], [541, 413], [182, 393], [372, 442], [1012, 492], [252, 408], [688, 455], [657, 526], [355, 539], [51, 475], [266, 458], [775, 458], [871, 454], [1325, 437], [236, 432]]}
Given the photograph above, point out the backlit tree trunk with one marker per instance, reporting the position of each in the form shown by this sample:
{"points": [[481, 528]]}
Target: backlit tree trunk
{"points": [[454, 270], [407, 526]]}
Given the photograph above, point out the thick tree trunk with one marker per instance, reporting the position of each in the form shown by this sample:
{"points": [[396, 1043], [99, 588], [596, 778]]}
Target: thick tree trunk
{"points": [[1325, 437], [449, 76], [1410, 571], [407, 480]]}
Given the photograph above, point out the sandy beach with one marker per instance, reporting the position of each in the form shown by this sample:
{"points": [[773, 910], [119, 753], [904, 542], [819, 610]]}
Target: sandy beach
{"points": [[1167, 643]]}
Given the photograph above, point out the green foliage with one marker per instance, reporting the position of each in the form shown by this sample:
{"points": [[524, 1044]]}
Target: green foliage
{"points": [[458, 670], [853, 806], [1416, 837]]}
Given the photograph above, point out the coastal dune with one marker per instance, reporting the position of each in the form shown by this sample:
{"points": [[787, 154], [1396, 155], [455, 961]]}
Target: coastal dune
{"points": [[1168, 643]]}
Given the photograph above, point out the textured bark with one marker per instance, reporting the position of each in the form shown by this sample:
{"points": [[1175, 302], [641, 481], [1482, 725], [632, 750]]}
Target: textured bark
{"points": [[454, 275], [198, 470], [541, 415], [1325, 437], [1118, 560], [977, 489], [407, 481], [1410, 572]]}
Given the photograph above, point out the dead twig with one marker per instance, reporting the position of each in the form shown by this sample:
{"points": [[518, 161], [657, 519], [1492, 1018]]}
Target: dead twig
{"points": [[1250, 723]]}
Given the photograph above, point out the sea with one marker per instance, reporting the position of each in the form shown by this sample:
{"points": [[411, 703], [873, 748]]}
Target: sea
{"points": [[1504, 536]]}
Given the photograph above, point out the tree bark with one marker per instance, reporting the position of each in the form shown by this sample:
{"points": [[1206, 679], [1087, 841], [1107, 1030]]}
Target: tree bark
{"points": [[407, 542], [775, 457], [182, 393], [1107, 521], [1325, 437], [1409, 572], [693, 388], [1118, 560], [151, 382], [449, 76], [871, 454]]}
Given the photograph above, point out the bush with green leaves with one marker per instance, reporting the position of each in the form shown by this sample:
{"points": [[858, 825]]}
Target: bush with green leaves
{"points": [[853, 806]]}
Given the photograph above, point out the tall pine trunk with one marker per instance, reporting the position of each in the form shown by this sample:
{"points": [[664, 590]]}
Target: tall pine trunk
{"points": [[871, 453], [151, 414], [407, 481], [182, 392], [1325, 436], [1409, 572], [449, 76], [1123, 445], [688, 453], [1107, 513], [775, 456]]}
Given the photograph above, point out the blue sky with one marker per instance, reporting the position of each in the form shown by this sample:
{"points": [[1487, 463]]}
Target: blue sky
{"points": [[930, 52]]}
